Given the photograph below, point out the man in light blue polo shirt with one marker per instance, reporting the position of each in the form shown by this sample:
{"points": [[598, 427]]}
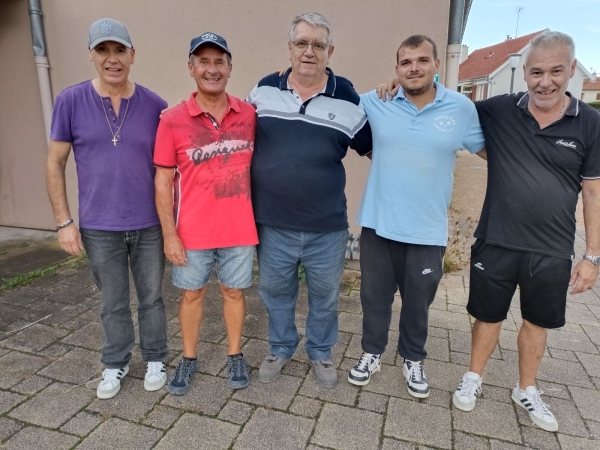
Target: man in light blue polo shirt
{"points": [[404, 209]]}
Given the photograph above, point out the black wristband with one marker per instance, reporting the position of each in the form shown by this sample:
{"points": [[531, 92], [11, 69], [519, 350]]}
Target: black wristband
{"points": [[64, 224]]}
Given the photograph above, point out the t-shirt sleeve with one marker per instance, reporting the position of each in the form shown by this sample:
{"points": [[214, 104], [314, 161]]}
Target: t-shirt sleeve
{"points": [[473, 139], [362, 141], [252, 96], [60, 129], [165, 153], [591, 160]]}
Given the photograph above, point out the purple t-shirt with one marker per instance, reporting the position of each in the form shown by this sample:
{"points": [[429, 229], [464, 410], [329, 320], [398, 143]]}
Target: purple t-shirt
{"points": [[116, 182]]}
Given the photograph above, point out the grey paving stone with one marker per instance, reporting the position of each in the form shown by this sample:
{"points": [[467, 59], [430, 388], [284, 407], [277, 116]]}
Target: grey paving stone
{"points": [[437, 332], [441, 375], [192, 431], [554, 389], [539, 439], [576, 443], [256, 327], [77, 367], [580, 316], [8, 427], [263, 431], [464, 441], [82, 278], [90, 336], [66, 315], [493, 419], [296, 369], [349, 304], [567, 415], [236, 412], [212, 357], [438, 348], [55, 350], [40, 439], [207, 395], [567, 355], [344, 392], [409, 420], [351, 323], [162, 417], [53, 406], [354, 349], [508, 340], [392, 444], [278, 394], [438, 398], [462, 359], [452, 283], [17, 366], [34, 338], [358, 430], [591, 364], [390, 381], [449, 320], [594, 428], [82, 424], [499, 445], [62, 293], [373, 402], [255, 351], [496, 393], [132, 403], [304, 406], [593, 333], [564, 372], [8, 400], [22, 296], [587, 402], [502, 373], [120, 434], [457, 298], [565, 340]]}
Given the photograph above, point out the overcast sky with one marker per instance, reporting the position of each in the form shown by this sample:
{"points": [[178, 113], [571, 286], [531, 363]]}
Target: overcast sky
{"points": [[491, 20]]}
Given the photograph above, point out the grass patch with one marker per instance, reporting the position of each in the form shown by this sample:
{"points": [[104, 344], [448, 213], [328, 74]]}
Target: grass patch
{"points": [[301, 274]]}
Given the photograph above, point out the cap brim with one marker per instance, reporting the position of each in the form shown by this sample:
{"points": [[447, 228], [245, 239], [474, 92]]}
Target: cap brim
{"points": [[211, 43], [110, 38]]}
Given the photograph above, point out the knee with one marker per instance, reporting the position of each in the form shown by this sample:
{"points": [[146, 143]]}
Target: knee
{"points": [[232, 294], [190, 298]]}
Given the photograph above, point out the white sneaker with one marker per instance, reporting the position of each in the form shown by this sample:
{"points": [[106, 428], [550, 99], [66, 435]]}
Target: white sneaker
{"points": [[467, 391], [416, 382], [111, 382], [156, 376], [539, 413], [366, 366]]}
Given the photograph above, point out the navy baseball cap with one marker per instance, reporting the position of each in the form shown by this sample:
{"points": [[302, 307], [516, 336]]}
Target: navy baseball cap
{"points": [[209, 38]]}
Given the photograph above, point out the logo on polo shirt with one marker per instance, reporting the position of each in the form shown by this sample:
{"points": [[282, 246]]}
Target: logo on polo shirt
{"points": [[209, 37], [570, 144], [331, 116], [444, 123]]}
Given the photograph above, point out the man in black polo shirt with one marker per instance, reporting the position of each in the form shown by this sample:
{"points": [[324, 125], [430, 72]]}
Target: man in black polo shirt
{"points": [[543, 147]]}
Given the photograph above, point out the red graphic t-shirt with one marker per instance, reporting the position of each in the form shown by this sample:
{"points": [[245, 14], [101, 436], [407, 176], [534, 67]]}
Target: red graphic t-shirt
{"points": [[212, 202]]}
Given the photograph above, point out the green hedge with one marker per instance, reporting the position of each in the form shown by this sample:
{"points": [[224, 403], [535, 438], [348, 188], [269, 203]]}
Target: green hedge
{"points": [[595, 105]]}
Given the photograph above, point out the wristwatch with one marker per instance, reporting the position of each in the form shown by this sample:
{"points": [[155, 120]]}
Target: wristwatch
{"points": [[595, 260]]}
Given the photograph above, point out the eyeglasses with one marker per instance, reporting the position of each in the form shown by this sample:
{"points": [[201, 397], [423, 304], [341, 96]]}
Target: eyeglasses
{"points": [[301, 46]]}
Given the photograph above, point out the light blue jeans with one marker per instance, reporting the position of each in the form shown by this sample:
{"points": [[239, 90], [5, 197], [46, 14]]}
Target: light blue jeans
{"points": [[280, 252]]}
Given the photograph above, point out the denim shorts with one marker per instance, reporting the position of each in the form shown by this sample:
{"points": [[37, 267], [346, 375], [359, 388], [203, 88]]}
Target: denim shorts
{"points": [[233, 267]]}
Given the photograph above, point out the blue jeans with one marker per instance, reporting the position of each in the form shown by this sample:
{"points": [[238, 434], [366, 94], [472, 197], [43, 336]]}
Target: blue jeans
{"points": [[280, 252], [110, 254]]}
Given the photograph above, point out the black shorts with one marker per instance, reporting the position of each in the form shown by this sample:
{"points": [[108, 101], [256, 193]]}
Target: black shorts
{"points": [[497, 271]]}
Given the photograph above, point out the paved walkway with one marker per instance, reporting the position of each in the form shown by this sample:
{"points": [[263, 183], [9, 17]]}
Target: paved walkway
{"points": [[45, 404]]}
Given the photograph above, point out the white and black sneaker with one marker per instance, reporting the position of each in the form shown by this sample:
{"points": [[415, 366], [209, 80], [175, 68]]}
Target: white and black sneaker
{"points": [[539, 413], [466, 393], [156, 376], [366, 366], [416, 383], [111, 382]]}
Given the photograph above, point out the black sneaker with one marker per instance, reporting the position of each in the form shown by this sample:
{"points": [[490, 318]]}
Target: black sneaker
{"points": [[179, 383], [366, 366], [416, 383], [239, 373]]}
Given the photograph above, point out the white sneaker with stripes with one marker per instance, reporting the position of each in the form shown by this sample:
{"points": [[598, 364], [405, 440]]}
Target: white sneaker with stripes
{"points": [[539, 413], [111, 382]]}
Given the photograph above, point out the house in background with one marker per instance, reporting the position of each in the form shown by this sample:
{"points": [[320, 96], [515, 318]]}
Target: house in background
{"points": [[591, 91], [487, 72]]}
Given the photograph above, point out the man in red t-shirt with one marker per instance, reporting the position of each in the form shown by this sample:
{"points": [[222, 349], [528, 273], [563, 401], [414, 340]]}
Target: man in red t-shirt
{"points": [[202, 155]]}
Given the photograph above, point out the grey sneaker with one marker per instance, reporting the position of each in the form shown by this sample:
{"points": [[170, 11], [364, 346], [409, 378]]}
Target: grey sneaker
{"points": [[239, 374], [270, 369], [325, 373], [179, 383]]}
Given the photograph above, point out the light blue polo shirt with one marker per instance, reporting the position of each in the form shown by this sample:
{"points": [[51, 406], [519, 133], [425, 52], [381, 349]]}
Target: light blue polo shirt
{"points": [[409, 187]]}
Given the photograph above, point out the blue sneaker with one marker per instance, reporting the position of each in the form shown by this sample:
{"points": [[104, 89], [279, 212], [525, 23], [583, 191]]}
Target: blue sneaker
{"points": [[179, 383], [239, 373]]}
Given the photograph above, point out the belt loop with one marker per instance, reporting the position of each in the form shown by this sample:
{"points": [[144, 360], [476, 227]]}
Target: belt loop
{"points": [[530, 261]]}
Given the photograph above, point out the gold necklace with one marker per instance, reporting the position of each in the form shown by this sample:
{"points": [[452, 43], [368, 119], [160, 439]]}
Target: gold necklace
{"points": [[562, 110], [114, 135]]}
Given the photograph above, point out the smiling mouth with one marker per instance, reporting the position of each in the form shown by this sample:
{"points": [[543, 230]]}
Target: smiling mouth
{"points": [[546, 92]]}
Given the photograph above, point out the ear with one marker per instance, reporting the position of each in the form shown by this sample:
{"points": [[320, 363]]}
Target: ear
{"points": [[437, 65], [191, 69], [90, 56], [132, 55], [330, 51], [573, 67]]}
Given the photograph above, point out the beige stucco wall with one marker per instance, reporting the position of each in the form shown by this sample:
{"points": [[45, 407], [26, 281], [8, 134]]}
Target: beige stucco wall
{"points": [[590, 96], [366, 36]]}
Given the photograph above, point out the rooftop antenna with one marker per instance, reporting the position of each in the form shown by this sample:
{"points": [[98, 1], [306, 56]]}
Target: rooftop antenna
{"points": [[519, 9]]}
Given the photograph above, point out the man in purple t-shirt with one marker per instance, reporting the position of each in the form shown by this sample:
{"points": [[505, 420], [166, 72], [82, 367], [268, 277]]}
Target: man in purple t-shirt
{"points": [[111, 123]]}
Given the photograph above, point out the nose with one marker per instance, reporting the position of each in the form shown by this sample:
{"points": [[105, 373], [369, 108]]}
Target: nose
{"points": [[546, 79], [309, 51]]}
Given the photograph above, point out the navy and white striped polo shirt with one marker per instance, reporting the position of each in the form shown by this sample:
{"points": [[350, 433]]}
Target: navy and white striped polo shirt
{"points": [[298, 178]]}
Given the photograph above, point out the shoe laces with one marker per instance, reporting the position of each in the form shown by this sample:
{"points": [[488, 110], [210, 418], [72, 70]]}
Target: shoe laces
{"points": [[237, 365], [538, 404], [469, 387], [110, 374], [364, 362], [183, 370], [271, 358], [155, 368], [416, 372]]}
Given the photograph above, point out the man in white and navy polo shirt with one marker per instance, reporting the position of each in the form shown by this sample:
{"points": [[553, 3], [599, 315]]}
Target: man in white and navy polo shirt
{"points": [[307, 119]]}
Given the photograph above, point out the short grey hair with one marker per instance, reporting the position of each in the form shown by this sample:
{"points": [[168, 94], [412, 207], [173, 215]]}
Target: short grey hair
{"points": [[551, 38], [314, 19], [193, 55]]}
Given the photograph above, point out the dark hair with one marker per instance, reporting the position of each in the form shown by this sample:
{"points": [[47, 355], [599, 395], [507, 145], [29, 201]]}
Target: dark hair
{"points": [[414, 41]]}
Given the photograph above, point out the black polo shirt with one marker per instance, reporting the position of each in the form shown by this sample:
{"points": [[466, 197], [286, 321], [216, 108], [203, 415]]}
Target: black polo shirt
{"points": [[534, 175]]}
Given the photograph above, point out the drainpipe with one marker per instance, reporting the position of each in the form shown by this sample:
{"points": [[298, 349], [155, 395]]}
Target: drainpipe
{"points": [[41, 62], [455, 30]]}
